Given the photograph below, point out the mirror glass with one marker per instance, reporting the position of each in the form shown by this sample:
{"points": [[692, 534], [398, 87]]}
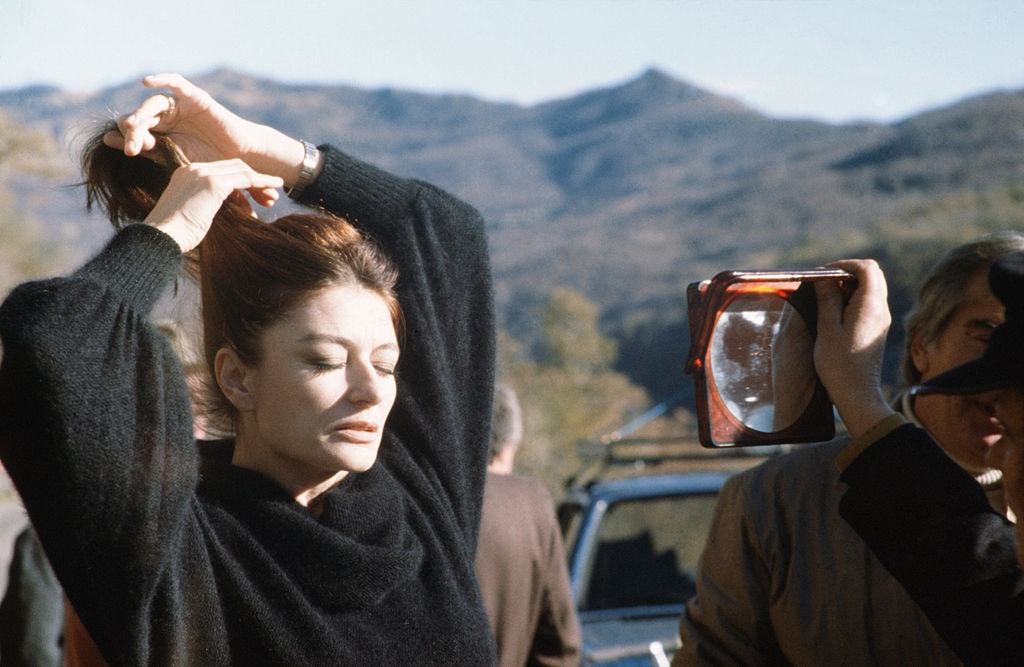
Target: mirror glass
{"points": [[762, 361]]}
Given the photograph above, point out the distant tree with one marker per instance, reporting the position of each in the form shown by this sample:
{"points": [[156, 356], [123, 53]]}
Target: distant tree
{"points": [[25, 252], [571, 393], [571, 339]]}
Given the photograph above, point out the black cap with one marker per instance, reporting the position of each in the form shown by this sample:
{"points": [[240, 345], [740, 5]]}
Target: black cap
{"points": [[1003, 362]]}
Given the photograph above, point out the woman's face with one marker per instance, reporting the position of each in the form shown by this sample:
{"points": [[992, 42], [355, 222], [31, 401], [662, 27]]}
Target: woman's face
{"points": [[321, 392], [1008, 456]]}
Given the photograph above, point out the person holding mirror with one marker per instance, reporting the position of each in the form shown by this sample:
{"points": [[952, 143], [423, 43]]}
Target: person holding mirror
{"points": [[338, 524], [958, 559], [782, 576]]}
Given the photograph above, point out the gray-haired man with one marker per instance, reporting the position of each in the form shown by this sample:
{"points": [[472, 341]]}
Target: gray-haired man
{"points": [[520, 560]]}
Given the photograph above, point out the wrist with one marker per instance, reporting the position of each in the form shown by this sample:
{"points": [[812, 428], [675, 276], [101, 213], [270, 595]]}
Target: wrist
{"points": [[312, 163], [177, 230], [861, 413], [277, 154]]}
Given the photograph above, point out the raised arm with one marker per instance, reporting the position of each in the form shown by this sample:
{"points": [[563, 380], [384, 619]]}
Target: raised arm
{"points": [[446, 376], [95, 421]]}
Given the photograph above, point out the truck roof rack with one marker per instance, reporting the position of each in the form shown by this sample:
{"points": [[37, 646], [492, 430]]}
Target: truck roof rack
{"points": [[600, 455]]}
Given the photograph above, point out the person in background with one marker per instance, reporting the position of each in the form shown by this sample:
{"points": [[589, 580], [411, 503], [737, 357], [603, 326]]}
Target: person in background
{"points": [[520, 561], [782, 576], [958, 559]]}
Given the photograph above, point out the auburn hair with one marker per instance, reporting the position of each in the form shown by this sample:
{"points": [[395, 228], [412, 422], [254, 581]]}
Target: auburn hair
{"points": [[251, 273]]}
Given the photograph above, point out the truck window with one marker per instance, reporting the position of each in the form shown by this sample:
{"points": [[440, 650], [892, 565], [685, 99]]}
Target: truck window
{"points": [[647, 551]]}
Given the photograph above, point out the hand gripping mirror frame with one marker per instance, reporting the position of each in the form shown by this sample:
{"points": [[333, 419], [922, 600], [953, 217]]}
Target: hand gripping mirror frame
{"points": [[717, 425]]}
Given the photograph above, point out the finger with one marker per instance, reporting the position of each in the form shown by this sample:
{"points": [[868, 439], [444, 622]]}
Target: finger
{"points": [[867, 272], [830, 306], [153, 106], [239, 199], [136, 126], [165, 80], [246, 180], [237, 175], [265, 197], [131, 141], [114, 139], [260, 181], [178, 85]]}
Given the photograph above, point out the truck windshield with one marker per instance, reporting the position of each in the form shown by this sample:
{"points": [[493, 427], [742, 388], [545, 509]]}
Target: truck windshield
{"points": [[647, 551]]}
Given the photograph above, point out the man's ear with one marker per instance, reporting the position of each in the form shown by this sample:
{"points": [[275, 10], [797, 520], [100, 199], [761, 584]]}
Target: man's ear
{"points": [[920, 356], [235, 378]]}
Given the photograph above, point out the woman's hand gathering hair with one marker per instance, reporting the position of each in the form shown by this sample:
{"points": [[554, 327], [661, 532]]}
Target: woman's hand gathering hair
{"points": [[196, 192]]}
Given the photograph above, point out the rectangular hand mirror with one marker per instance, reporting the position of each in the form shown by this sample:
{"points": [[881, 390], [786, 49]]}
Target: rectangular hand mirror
{"points": [[752, 358]]}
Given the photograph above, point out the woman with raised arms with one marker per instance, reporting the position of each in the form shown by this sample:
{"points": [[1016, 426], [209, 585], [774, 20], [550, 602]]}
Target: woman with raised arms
{"points": [[338, 524]]}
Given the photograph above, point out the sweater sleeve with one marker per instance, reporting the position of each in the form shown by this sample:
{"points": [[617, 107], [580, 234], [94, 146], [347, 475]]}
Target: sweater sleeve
{"points": [[95, 424], [441, 421], [942, 541]]}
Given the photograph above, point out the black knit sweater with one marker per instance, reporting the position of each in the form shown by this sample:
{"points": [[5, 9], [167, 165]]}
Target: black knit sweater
{"points": [[169, 562]]}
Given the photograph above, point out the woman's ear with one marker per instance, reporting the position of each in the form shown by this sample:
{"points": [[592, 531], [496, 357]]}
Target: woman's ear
{"points": [[235, 378]]}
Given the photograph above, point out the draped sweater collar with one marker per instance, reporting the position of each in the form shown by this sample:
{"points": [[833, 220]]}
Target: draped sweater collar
{"points": [[354, 554]]}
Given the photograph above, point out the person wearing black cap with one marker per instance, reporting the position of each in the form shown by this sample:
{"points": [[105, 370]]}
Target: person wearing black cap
{"points": [[939, 537]]}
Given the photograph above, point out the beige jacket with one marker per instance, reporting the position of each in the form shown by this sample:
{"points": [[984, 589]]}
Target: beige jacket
{"points": [[784, 579]]}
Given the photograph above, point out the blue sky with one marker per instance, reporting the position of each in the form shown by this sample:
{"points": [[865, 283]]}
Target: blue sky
{"points": [[833, 60]]}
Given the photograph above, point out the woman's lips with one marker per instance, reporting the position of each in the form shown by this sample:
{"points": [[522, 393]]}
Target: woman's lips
{"points": [[357, 431]]}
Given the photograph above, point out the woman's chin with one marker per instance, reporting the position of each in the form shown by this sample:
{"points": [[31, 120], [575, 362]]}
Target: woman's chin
{"points": [[356, 458]]}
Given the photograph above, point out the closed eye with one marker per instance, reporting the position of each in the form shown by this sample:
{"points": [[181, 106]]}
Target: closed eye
{"points": [[320, 367]]}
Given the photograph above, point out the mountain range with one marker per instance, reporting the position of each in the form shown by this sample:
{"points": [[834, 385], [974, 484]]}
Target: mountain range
{"points": [[624, 193]]}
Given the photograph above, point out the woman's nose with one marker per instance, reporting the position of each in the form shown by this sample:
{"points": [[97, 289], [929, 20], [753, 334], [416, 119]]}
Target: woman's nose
{"points": [[366, 386]]}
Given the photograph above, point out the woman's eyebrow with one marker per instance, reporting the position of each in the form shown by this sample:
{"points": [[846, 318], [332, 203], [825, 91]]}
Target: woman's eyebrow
{"points": [[345, 342], [325, 338]]}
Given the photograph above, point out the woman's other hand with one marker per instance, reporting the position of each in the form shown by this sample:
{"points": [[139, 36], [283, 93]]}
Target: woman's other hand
{"points": [[851, 341], [196, 192], [206, 131]]}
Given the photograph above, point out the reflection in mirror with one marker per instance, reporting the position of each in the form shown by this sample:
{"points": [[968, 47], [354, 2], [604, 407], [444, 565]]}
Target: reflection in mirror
{"points": [[762, 361]]}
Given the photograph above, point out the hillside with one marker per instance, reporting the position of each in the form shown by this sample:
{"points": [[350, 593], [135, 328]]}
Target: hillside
{"points": [[625, 193]]}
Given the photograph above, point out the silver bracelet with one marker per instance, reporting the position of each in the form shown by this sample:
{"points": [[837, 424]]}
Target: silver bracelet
{"points": [[310, 164]]}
